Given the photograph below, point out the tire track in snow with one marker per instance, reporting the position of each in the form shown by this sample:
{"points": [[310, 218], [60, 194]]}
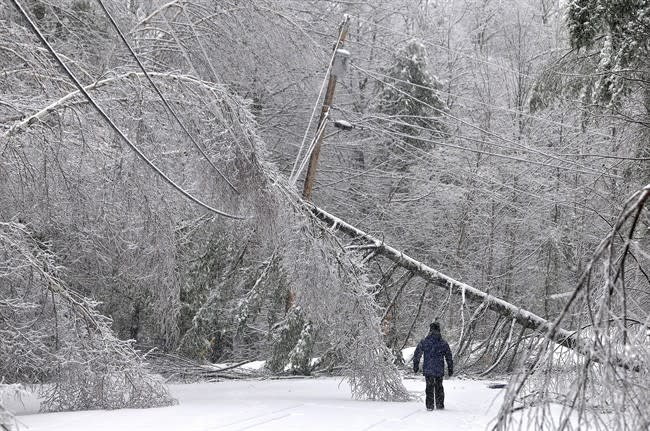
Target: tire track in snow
{"points": [[410, 414], [264, 422], [414, 412], [240, 421], [374, 425]]}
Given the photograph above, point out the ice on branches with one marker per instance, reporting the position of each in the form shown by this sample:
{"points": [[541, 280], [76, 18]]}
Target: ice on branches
{"points": [[608, 385], [334, 292], [50, 334]]}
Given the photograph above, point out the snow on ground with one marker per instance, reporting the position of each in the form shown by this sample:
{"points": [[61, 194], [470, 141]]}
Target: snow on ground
{"points": [[293, 404]]}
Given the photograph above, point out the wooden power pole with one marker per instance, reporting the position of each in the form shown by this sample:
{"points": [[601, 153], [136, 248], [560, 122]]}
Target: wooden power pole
{"points": [[327, 103]]}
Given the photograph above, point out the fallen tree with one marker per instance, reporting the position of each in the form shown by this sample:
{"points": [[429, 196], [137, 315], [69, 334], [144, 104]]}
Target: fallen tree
{"points": [[525, 318], [591, 351]]}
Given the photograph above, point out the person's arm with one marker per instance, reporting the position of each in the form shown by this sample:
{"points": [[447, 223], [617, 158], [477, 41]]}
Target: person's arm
{"points": [[450, 361], [416, 357]]}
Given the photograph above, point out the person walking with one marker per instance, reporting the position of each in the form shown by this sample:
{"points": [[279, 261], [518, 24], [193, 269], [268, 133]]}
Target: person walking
{"points": [[436, 351]]}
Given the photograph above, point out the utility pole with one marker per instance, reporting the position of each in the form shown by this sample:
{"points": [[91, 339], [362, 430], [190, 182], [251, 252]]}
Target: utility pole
{"points": [[338, 66]]}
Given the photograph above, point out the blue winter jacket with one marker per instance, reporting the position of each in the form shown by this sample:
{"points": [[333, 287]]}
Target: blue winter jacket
{"points": [[434, 349]]}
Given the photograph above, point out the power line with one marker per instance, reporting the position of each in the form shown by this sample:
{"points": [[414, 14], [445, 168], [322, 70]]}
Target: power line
{"points": [[103, 114], [487, 153], [305, 160], [462, 54], [427, 158], [466, 123], [294, 175], [608, 156], [311, 119], [164, 100], [445, 48], [402, 135], [470, 99], [391, 120]]}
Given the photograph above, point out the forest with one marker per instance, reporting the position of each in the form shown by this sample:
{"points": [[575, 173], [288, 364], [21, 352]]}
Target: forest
{"points": [[188, 182]]}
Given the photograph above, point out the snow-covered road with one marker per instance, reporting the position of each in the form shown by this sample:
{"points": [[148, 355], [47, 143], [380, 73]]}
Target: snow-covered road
{"points": [[296, 404]]}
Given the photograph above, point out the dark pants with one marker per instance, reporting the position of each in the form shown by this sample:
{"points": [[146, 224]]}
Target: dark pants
{"points": [[435, 393]]}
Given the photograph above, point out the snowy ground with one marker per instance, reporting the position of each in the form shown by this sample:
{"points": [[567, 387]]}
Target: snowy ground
{"points": [[295, 404]]}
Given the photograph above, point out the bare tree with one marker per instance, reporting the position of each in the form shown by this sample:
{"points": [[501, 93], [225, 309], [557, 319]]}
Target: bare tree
{"points": [[610, 306]]}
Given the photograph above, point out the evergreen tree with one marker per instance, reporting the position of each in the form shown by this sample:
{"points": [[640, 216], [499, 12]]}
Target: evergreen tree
{"points": [[615, 34], [618, 31], [410, 96]]}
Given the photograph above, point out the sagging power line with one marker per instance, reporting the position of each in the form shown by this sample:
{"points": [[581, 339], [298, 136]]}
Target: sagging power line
{"points": [[164, 100], [110, 122]]}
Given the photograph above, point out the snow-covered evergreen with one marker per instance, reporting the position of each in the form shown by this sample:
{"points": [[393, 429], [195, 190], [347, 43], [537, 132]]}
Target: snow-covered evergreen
{"points": [[409, 95]]}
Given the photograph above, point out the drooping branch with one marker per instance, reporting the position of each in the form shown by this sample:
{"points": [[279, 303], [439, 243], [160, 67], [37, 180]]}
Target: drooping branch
{"points": [[59, 103], [102, 113], [605, 397]]}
